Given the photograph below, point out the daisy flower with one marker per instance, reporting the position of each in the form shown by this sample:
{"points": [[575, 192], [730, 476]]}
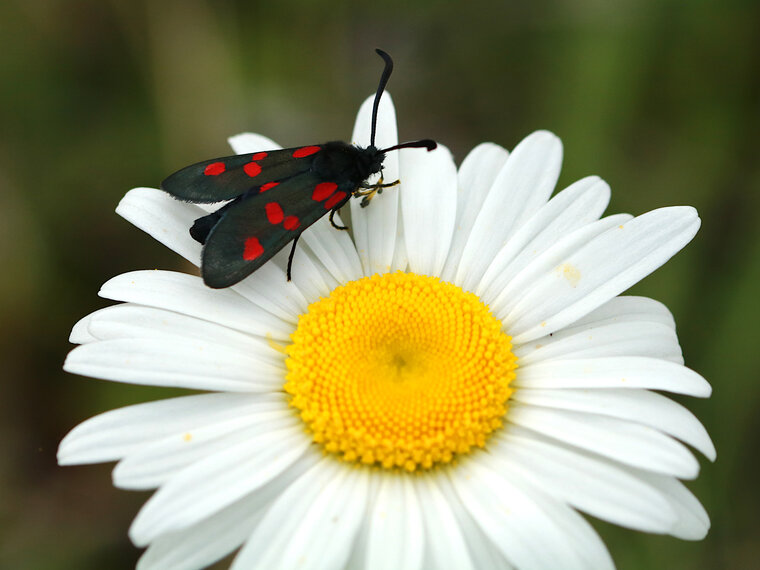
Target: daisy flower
{"points": [[449, 387]]}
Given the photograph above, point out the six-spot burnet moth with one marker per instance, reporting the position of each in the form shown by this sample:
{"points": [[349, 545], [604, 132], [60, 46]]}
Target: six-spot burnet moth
{"points": [[275, 195]]}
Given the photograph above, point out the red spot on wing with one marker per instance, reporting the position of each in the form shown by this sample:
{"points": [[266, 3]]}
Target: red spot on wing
{"points": [[274, 212], [252, 169], [291, 222], [259, 156], [323, 190], [267, 186], [334, 199], [252, 249], [305, 151], [214, 169]]}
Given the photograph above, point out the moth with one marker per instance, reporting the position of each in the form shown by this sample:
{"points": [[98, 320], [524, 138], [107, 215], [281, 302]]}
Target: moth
{"points": [[273, 196]]}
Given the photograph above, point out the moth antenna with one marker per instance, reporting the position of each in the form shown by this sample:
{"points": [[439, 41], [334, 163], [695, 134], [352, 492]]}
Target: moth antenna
{"points": [[424, 143], [380, 88]]}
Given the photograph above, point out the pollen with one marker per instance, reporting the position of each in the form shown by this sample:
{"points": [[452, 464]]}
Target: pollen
{"points": [[400, 371]]}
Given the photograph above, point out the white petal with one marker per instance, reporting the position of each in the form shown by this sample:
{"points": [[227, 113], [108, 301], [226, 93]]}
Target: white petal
{"points": [[334, 249], [428, 203], [653, 340], [374, 227], [168, 362], [396, 534], [641, 406], [400, 259], [627, 309], [579, 534], [209, 485], [152, 465], [312, 524], [80, 332], [168, 220], [603, 268], [188, 295], [613, 372], [213, 538], [522, 283], [693, 521], [251, 142], [521, 188], [445, 544], [575, 206], [483, 552], [514, 522], [128, 320], [476, 176], [602, 488], [269, 288], [308, 274], [164, 218], [114, 434], [629, 443]]}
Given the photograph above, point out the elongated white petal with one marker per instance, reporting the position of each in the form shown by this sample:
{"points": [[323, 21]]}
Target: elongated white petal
{"points": [[153, 465], [445, 545], [312, 524], [653, 340], [603, 268], [308, 274], [166, 362], [641, 406], [428, 203], [207, 486], [395, 520], [216, 536], [520, 189], [512, 519], [483, 552], [374, 227], [475, 178], [577, 205], [628, 309], [188, 295], [128, 320], [80, 332], [613, 372], [251, 142], [164, 218], [269, 288], [580, 536], [334, 249], [623, 441], [593, 484], [522, 283], [693, 521], [168, 220], [116, 433]]}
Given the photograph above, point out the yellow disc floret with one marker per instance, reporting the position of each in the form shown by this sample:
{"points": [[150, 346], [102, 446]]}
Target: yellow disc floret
{"points": [[400, 370]]}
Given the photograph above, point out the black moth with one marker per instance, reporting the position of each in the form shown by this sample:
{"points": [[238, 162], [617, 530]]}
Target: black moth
{"points": [[275, 195]]}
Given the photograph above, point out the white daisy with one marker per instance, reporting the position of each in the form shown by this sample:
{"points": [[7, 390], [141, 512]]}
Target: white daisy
{"points": [[448, 389]]}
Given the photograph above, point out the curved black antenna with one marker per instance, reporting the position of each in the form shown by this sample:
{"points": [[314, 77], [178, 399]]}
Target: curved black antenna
{"points": [[380, 88], [424, 143]]}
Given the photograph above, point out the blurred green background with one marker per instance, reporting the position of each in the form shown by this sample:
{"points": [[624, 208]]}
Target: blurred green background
{"points": [[659, 98]]}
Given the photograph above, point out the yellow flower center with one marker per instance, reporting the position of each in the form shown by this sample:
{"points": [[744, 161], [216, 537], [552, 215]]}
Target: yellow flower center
{"points": [[400, 370]]}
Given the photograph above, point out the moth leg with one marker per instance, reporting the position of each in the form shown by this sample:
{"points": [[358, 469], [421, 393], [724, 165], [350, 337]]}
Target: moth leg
{"points": [[332, 221], [369, 191], [292, 252]]}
